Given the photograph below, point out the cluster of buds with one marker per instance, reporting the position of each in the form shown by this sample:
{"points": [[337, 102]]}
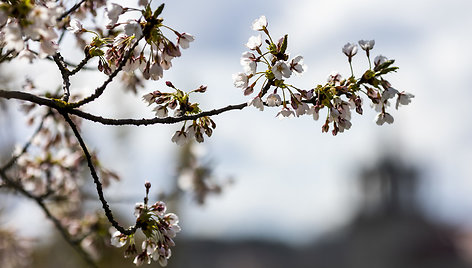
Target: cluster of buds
{"points": [[159, 229], [179, 101], [23, 22], [161, 50], [338, 95]]}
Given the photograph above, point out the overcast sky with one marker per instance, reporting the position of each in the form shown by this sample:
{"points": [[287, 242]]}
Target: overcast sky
{"points": [[291, 181]]}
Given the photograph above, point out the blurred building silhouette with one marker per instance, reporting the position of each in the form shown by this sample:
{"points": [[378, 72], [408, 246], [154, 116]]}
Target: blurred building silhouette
{"points": [[389, 231]]}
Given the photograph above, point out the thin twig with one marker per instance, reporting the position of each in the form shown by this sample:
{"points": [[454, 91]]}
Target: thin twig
{"points": [[81, 65], [99, 91], [96, 180]]}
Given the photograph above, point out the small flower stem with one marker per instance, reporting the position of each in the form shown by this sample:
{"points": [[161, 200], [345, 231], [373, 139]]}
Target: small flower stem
{"points": [[350, 65], [267, 32], [368, 58], [283, 94]]}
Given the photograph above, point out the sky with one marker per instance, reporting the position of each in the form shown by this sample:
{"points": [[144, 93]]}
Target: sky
{"points": [[291, 182]]}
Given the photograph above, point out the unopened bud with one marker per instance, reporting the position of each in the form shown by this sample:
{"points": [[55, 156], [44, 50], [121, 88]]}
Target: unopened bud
{"points": [[169, 84], [147, 184], [201, 89]]}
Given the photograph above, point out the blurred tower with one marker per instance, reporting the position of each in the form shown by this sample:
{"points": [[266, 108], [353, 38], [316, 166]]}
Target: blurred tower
{"points": [[389, 186]]}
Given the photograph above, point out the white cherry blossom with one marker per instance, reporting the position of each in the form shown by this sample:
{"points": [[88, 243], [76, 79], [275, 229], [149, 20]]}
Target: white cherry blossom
{"points": [[389, 93], [240, 80], [143, 2], [75, 26], [48, 48], [350, 50], [180, 137], [133, 28], [273, 100], [13, 38], [285, 113], [257, 102], [297, 65], [367, 44], [184, 40], [254, 42], [403, 98], [281, 69], [113, 12], [156, 71], [379, 60], [248, 61], [335, 77], [259, 24], [384, 117], [161, 111], [27, 55], [314, 111], [131, 65], [302, 109], [118, 239]]}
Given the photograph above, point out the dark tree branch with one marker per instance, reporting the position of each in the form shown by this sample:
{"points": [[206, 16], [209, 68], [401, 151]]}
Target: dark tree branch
{"points": [[59, 60], [96, 180], [61, 107], [65, 234]]}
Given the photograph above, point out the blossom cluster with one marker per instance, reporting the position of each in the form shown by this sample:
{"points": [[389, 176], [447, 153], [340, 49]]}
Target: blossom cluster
{"points": [[23, 23], [179, 101], [159, 229], [339, 96], [276, 68], [111, 50]]}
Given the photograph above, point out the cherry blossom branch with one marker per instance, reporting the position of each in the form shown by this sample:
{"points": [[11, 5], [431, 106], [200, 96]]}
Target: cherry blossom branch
{"points": [[64, 108], [96, 180], [99, 91], [39, 200]]}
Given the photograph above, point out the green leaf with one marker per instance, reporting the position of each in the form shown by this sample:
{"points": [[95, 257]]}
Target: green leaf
{"points": [[284, 44], [387, 70], [383, 65], [94, 52], [147, 13], [158, 11]]}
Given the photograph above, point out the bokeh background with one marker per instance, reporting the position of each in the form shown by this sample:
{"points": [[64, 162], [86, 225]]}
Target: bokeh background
{"points": [[399, 195]]}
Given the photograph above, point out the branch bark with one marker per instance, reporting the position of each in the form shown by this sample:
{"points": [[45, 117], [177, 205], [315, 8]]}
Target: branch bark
{"points": [[61, 107]]}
